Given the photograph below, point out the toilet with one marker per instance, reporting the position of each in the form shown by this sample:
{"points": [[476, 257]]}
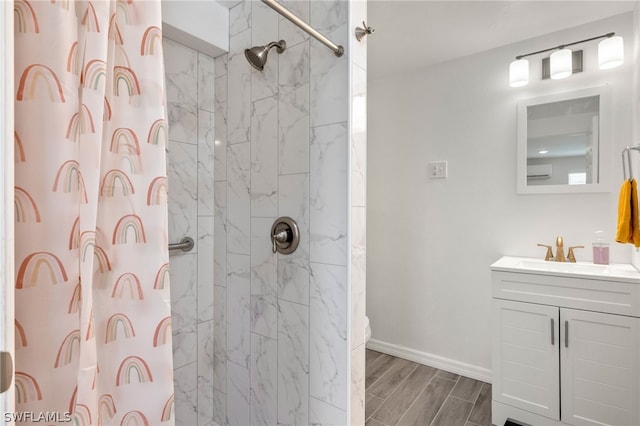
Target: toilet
{"points": [[367, 330]]}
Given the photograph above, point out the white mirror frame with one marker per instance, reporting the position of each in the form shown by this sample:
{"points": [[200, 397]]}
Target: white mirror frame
{"points": [[604, 151]]}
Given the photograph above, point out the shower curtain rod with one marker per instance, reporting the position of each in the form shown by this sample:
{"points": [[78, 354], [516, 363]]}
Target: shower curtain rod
{"points": [[273, 4]]}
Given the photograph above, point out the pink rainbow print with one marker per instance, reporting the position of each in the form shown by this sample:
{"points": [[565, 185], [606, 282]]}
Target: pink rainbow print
{"points": [[82, 415], [134, 418], [114, 31], [90, 20], [127, 76], [104, 264], [113, 322], [120, 57], [73, 64], [163, 332], [88, 335], [64, 3], [157, 192], [167, 410], [66, 350], [106, 407], [132, 161], [74, 303], [106, 116], [26, 388], [87, 242], [69, 179], [72, 401], [30, 267], [29, 79], [157, 133], [124, 140], [127, 283], [126, 223], [151, 40], [80, 123], [113, 179], [21, 337], [74, 235], [124, 11], [24, 17], [18, 148], [162, 277], [26, 209], [95, 72], [133, 367]]}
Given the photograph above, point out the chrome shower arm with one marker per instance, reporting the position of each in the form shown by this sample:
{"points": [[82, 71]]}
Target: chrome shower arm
{"points": [[273, 4]]}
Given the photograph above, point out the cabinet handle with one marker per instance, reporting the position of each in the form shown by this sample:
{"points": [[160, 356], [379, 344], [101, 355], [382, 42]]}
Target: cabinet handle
{"points": [[553, 333], [566, 334]]}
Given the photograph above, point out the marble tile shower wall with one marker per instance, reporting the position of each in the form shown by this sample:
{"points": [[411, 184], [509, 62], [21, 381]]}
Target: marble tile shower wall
{"points": [[280, 321], [190, 104]]}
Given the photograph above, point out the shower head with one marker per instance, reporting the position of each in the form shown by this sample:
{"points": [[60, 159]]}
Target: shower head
{"points": [[257, 56]]}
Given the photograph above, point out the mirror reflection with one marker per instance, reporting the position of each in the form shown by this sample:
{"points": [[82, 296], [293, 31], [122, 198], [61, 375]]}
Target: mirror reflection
{"points": [[562, 142], [559, 142]]}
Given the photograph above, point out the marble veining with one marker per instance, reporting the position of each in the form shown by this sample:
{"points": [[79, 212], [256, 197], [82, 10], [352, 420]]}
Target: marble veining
{"points": [[288, 30], [264, 277], [220, 339], [293, 269], [238, 198], [220, 234], [205, 268], [239, 77], [328, 334], [205, 162], [293, 107], [238, 309], [240, 17], [293, 363], [182, 178], [185, 383], [206, 82], [220, 126], [328, 194], [205, 373], [323, 414], [264, 380], [264, 158], [238, 393]]}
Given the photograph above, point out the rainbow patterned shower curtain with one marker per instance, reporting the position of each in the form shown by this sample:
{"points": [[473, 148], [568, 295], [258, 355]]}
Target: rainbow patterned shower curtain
{"points": [[93, 318]]}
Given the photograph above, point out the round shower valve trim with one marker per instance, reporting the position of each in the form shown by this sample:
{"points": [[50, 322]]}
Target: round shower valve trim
{"points": [[285, 235]]}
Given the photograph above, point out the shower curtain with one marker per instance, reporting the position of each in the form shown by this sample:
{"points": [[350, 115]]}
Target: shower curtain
{"points": [[93, 319]]}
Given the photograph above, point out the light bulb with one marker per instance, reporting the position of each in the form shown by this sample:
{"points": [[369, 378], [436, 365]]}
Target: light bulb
{"points": [[561, 64], [519, 73], [610, 53]]}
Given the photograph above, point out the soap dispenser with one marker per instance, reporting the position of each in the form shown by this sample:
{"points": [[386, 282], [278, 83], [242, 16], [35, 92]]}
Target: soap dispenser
{"points": [[600, 249]]}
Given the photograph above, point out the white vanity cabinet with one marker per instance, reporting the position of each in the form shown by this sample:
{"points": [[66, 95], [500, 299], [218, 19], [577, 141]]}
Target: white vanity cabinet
{"points": [[565, 346]]}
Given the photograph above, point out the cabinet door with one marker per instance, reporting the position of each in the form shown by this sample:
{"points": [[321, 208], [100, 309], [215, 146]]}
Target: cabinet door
{"points": [[599, 363], [525, 357]]}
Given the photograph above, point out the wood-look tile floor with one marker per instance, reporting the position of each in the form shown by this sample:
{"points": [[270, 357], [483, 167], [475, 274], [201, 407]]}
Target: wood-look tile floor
{"points": [[401, 392]]}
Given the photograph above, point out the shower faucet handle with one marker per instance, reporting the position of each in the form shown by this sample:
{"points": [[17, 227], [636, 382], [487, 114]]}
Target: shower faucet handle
{"points": [[278, 238]]}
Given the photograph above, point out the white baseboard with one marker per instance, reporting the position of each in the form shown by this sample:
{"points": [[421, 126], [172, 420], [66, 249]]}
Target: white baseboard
{"points": [[436, 361]]}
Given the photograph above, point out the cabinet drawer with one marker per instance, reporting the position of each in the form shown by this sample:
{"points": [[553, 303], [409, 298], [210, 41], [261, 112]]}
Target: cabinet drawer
{"points": [[593, 295]]}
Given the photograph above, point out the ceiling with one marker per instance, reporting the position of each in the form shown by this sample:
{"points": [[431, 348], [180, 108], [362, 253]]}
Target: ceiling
{"points": [[417, 34]]}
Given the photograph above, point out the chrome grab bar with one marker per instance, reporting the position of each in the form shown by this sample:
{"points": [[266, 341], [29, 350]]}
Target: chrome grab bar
{"points": [[185, 244]]}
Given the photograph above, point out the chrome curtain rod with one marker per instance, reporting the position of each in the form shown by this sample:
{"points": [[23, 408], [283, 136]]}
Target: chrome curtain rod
{"points": [[273, 4], [562, 46]]}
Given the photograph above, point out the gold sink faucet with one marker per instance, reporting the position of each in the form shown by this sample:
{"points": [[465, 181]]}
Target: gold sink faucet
{"points": [[559, 250], [559, 257]]}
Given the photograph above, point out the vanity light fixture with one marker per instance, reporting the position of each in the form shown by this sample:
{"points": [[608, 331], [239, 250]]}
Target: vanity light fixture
{"points": [[610, 55]]}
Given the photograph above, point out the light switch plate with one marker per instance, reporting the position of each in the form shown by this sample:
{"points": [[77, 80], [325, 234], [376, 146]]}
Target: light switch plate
{"points": [[437, 170]]}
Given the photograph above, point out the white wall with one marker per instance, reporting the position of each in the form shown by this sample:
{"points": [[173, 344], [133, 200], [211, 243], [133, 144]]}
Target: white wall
{"points": [[200, 24], [430, 242]]}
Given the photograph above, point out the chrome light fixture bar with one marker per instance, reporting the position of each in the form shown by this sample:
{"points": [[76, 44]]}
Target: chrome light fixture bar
{"points": [[610, 55], [273, 4]]}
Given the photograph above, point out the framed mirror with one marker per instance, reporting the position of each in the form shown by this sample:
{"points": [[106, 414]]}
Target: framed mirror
{"points": [[563, 143]]}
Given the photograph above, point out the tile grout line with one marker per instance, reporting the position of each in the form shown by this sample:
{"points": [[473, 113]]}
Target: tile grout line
{"points": [[416, 398], [445, 401]]}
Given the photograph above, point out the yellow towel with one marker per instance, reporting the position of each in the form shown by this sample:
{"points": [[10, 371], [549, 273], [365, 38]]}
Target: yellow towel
{"points": [[628, 218]]}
